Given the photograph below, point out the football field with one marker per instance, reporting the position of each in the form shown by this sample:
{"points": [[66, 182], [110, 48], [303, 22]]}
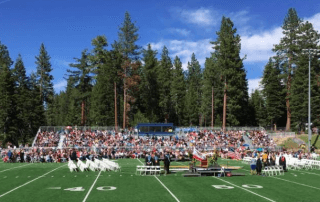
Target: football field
{"points": [[50, 182]]}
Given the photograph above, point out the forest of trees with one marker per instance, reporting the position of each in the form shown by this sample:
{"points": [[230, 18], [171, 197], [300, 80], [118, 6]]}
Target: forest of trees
{"points": [[123, 84]]}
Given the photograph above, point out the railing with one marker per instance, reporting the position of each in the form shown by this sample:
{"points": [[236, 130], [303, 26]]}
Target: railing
{"points": [[282, 134], [35, 138]]}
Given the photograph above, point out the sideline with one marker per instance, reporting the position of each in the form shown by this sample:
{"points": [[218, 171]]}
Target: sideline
{"points": [[293, 181], [245, 189], [164, 186], [15, 167], [30, 181], [85, 198], [296, 183], [306, 172]]}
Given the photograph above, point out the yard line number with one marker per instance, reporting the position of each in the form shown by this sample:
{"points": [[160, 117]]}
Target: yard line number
{"points": [[248, 186], [103, 188]]}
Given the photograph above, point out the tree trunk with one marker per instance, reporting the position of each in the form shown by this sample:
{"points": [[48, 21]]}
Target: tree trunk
{"points": [[212, 109], [115, 107], [82, 112], [224, 108], [124, 106], [288, 126]]}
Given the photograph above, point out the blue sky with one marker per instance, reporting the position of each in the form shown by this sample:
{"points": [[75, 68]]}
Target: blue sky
{"points": [[66, 27]]}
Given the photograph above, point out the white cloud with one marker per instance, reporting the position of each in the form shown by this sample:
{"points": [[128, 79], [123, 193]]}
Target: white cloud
{"points": [[315, 21], [258, 47], [201, 16], [184, 49], [60, 86], [182, 32], [239, 18], [254, 84]]}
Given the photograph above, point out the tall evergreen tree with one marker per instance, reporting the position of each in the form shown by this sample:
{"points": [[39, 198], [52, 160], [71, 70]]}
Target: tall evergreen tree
{"points": [[149, 94], [44, 69], [83, 78], [299, 96], [212, 93], [37, 116], [128, 37], [193, 96], [257, 103], [286, 51], [22, 98], [73, 104], [274, 92], [227, 49], [178, 92], [8, 127], [164, 80]]}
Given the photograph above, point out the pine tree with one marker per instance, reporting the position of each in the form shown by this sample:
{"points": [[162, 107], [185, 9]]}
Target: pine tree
{"points": [[131, 51], [178, 92], [83, 78], [149, 95], [44, 74], [286, 51], [164, 80], [274, 92], [308, 39], [227, 49], [257, 103], [8, 122], [212, 93], [37, 115], [73, 104], [193, 96], [22, 98]]}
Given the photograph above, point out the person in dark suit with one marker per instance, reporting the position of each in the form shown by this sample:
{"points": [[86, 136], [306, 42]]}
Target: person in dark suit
{"points": [[259, 165], [21, 156], [156, 161], [273, 160], [282, 162], [149, 160], [74, 155], [167, 163]]}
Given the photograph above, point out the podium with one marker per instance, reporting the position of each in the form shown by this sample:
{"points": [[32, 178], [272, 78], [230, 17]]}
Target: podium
{"points": [[204, 163]]}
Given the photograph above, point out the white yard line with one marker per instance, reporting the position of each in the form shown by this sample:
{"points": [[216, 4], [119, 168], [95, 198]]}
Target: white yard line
{"points": [[14, 168], [85, 198], [29, 181], [307, 172], [245, 189], [164, 186], [297, 183], [167, 189]]}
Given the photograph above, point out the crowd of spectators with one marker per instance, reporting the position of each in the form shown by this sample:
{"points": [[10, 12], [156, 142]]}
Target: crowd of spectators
{"points": [[111, 144], [260, 139], [47, 139]]}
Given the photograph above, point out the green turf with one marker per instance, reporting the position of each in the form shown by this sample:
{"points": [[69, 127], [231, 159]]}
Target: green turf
{"points": [[302, 185]]}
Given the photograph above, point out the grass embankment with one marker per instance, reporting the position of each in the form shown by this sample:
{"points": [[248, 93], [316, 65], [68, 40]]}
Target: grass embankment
{"points": [[305, 139]]}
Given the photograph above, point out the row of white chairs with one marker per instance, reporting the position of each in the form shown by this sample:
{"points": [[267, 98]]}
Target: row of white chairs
{"points": [[82, 166], [145, 170], [246, 160], [273, 170], [72, 167], [295, 163], [113, 165]]}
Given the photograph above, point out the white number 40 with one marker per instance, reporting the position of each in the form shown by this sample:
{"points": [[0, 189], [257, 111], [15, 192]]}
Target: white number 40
{"points": [[249, 186], [104, 188]]}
